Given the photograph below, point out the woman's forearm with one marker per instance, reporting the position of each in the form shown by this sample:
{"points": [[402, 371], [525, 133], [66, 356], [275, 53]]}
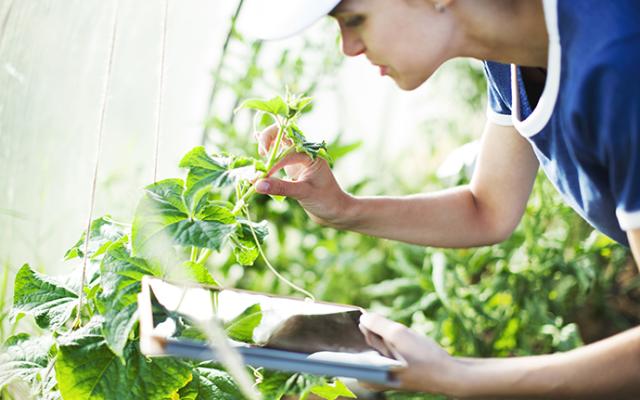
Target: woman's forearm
{"points": [[449, 218], [608, 369]]}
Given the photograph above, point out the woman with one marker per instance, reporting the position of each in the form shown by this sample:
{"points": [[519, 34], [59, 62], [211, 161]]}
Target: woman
{"points": [[563, 95]]}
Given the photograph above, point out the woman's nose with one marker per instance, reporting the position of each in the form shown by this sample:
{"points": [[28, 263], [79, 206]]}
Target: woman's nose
{"points": [[351, 44]]}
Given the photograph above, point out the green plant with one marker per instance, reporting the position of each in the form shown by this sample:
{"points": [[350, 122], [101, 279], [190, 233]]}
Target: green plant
{"points": [[177, 226]]}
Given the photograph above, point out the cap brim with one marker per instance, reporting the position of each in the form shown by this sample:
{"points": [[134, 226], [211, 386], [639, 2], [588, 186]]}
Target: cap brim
{"points": [[278, 19]]}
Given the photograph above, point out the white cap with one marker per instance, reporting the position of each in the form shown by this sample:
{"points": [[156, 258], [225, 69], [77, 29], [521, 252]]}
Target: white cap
{"points": [[277, 19]]}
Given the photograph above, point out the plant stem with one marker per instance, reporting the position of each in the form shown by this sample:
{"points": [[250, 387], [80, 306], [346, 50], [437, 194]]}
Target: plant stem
{"points": [[242, 201], [276, 147], [204, 256], [215, 300], [266, 261], [194, 254], [252, 189]]}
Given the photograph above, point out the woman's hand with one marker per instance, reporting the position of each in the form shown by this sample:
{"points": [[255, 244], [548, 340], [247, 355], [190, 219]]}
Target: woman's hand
{"points": [[310, 182], [429, 367]]}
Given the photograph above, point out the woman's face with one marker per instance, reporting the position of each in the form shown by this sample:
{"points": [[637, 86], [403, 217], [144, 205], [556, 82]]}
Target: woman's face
{"points": [[406, 39]]}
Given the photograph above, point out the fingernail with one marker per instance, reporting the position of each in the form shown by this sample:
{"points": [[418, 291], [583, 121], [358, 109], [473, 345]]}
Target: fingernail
{"points": [[262, 186], [364, 318]]}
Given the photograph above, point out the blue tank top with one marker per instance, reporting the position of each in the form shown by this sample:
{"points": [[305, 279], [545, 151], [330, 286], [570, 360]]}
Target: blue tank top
{"points": [[585, 127]]}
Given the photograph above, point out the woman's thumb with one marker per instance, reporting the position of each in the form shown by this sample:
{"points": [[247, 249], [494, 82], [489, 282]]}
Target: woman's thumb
{"points": [[279, 187]]}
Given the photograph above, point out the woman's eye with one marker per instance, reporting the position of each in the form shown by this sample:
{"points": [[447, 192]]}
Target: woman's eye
{"points": [[354, 21]]}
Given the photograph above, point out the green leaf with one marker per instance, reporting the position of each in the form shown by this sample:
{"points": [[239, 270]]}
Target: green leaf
{"points": [[241, 327], [273, 384], [162, 215], [244, 247], [120, 281], [211, 383], [339, 150], [87, 369], [102, 233], [243, 232], [245, 252], [333, 391], [313, 150], [438, 261], [25, 358], [199, 273], [209, 234], [276, 106], [47, 299], [216, 211], [299, 104], [218, 171]]}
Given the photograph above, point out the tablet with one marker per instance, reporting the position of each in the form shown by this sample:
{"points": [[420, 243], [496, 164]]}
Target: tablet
{"points": [[273, 332]]}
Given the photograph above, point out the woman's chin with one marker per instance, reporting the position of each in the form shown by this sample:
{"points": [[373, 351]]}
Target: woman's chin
{"points": [[407, 84]]}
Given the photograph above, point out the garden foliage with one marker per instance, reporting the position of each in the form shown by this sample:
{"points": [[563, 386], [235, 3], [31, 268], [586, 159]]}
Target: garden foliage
{"points": [[177, 225]]}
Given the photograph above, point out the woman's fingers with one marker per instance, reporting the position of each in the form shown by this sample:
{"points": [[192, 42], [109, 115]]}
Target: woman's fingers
{"points": [[374, 340], [390, 331], [294, 159], [267, 137]]}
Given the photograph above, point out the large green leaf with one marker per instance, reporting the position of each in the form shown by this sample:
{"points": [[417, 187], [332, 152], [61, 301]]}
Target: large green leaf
{"points": [[49, 300], [27, 358], [241, 327], [211, 383], [162, 214], [206, 171], [120, 280], [102, 233], [87, 369], [211, 234]]}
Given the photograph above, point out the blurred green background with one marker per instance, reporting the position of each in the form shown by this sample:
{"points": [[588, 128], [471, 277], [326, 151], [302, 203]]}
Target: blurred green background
{"points": [[553, 285]]}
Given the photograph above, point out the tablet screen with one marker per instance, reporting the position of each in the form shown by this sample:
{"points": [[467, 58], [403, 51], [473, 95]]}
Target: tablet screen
{"points": [[258, 319]]}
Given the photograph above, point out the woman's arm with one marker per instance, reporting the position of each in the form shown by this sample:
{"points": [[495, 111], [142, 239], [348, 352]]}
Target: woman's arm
{"points": [[484, 212], [608, 369]]}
